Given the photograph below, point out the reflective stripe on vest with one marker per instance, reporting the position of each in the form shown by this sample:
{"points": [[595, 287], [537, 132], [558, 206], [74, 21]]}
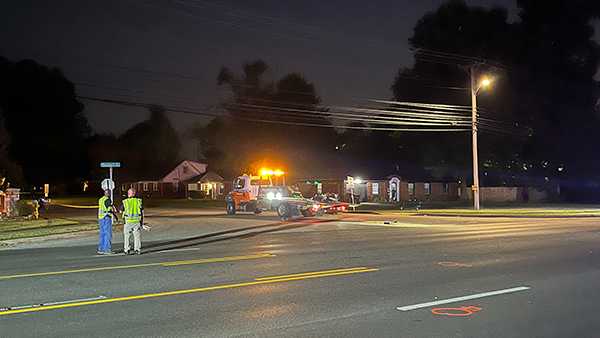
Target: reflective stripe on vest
{"points": [[103, 211], [132, 210]]}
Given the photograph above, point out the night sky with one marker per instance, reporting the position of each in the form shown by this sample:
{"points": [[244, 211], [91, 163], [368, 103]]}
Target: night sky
{"points": [[169, 52]]}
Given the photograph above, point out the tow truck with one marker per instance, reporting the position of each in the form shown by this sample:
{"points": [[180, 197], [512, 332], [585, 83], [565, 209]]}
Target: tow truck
{"points": [[257, 193]]}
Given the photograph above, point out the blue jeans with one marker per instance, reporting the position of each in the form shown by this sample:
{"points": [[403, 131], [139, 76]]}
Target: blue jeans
{"points": [[105, 240]]}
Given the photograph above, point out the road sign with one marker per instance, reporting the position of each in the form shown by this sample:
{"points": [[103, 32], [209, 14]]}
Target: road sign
{"points": [[108, 184], [110, 165]]}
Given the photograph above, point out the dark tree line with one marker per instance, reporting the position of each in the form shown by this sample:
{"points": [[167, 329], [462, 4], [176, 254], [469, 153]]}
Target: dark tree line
{"points": [[544, 84], [45, 136], [542, 102], [543, 66], [147, 150], [263, 126], [44, 122]]}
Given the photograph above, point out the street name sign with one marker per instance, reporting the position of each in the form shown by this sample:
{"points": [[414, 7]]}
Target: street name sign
{"points": [[110, 164]]}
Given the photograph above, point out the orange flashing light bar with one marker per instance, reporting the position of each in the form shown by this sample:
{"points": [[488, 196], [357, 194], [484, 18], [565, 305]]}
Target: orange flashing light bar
{"points": [[265, 172]]}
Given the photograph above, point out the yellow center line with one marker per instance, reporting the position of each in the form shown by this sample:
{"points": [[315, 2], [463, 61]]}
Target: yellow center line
{"points": [[311, 273], [317, 274], [118, 267]]}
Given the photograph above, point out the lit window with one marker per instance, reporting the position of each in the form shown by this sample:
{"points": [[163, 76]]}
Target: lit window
{"points": [[375, 188], [145, 186], [411, 188], [427, 187]]}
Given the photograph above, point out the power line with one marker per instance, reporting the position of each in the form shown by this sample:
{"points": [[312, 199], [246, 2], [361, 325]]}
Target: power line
{"points": [[440, 106], [365, 128], [440, 111], [358, 117], [457, 56], [203, 113]]}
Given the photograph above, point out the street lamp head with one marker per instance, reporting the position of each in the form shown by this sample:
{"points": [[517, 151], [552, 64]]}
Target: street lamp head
{"points": [[486, 82]]}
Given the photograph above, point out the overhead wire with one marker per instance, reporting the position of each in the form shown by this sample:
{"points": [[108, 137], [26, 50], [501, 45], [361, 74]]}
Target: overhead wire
{"points": [[448, 107], [356, 117], [204, 113]]}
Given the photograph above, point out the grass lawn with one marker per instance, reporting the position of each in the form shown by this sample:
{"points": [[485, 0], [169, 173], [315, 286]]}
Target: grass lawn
{"points": [[14, 229]]}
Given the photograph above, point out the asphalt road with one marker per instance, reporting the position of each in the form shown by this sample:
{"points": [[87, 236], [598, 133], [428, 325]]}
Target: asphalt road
{"points": [[348, 276]]}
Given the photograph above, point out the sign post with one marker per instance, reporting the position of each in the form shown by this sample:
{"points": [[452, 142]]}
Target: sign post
{"points": [[110, 184]]}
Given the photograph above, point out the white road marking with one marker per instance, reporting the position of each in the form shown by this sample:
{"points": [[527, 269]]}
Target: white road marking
{"points": [[460, 299], [50, 303]]}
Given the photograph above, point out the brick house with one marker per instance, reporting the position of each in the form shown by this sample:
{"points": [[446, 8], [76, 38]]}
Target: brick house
{"points": [[393, 189], [174, 184]]}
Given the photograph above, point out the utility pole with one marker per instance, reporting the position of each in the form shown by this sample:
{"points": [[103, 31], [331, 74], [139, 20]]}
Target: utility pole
{"points": [[475, 187]]}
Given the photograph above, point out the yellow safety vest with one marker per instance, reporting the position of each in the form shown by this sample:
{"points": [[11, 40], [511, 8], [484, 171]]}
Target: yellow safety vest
{"points": [[103, 211], [132, 210]]}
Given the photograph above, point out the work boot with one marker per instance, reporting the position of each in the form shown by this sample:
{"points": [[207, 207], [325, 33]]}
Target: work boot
{"points": [[138, 252]]}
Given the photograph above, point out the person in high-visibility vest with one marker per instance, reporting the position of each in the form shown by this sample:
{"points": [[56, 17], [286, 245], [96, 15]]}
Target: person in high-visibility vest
{"points": [[133, 216], [105, 212]]}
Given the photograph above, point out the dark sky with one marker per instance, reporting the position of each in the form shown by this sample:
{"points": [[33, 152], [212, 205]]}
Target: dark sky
{"points": [[169, 52]]}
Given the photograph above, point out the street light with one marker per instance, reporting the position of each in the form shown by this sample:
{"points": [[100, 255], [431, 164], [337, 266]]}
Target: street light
{"points": [[485, 82]]}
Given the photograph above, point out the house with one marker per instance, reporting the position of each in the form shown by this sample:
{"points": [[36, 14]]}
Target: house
{"points": [[402, 189], [209, 185], [174, 184], [185, 171], [392, 189], [310, 187]]}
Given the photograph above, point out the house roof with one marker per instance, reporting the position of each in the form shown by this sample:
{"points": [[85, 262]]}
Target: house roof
{"points": [[209, 176], [185, 171]]}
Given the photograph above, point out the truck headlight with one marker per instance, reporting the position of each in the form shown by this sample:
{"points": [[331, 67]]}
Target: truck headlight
{"points": [[278, 196], [270, 195]]}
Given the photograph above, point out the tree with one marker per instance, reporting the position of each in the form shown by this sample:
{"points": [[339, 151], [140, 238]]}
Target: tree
{"points": [[547, 83], [102, 148], [150, 148], [44, 120], [269, 118], [10, 172]]}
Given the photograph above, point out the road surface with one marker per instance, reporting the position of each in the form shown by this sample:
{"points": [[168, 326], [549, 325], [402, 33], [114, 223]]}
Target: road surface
{"points": [[342, 276]]}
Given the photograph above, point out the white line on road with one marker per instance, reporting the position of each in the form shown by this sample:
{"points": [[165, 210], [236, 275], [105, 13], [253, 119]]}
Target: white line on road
{"points": [[459, 299], [50, 303]]}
